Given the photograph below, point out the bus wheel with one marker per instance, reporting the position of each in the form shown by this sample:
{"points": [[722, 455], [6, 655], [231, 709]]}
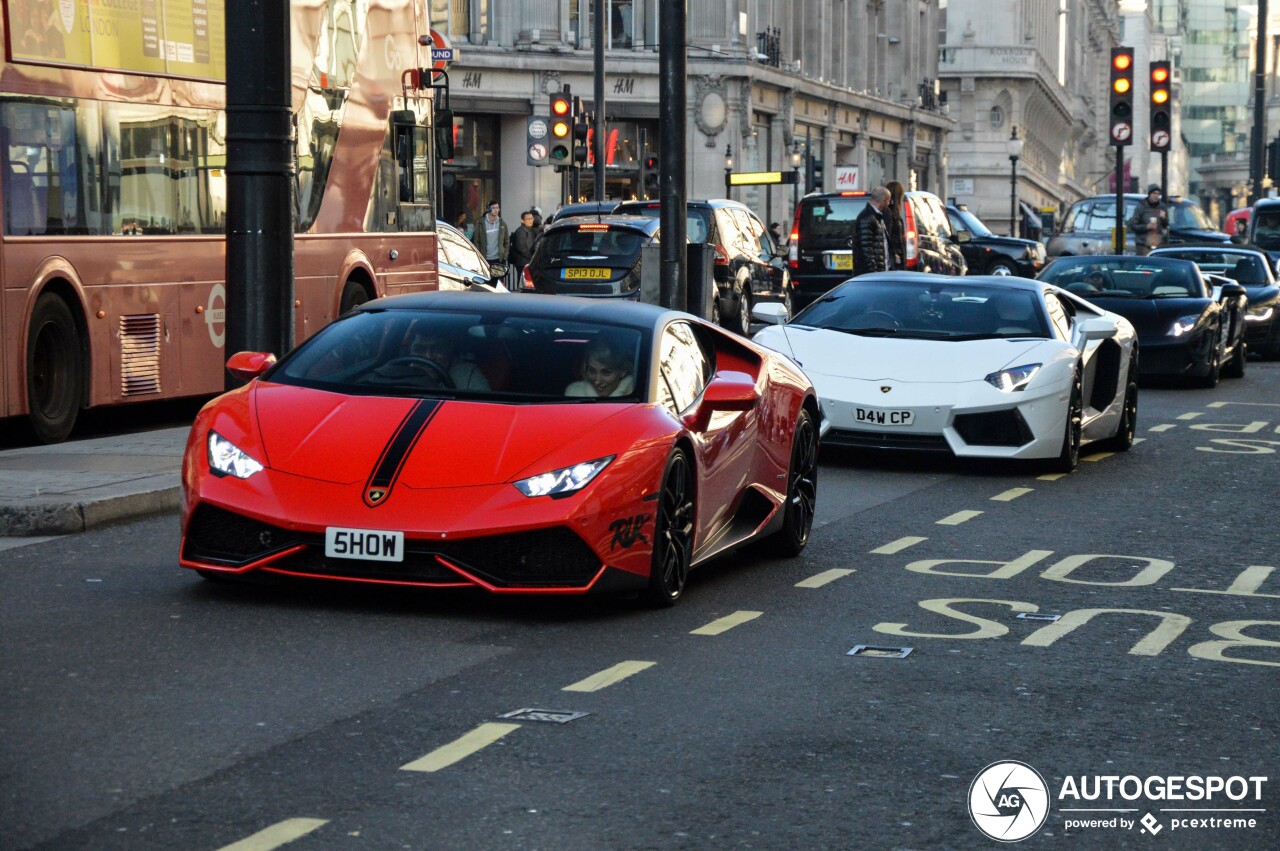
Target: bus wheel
{"points": [[55, 370], [353, 295]]}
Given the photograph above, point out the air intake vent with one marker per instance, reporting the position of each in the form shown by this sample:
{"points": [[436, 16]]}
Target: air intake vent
{"points": [[140, 354]]}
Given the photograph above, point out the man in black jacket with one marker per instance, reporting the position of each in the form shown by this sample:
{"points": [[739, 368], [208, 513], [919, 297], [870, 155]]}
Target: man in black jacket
{"points": [[522, 242], [870, 238]]}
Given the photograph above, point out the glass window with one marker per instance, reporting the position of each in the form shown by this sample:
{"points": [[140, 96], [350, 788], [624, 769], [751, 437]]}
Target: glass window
{"points": [[1058, 316], [683, 367]]}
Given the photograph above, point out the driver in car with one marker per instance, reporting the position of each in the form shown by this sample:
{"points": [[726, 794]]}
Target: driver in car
{"points": [[440, 350]]}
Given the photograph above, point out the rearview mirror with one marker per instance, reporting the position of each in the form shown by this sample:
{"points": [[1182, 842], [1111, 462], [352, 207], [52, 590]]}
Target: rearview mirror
{"points": [[769, 312], [247, 366]]}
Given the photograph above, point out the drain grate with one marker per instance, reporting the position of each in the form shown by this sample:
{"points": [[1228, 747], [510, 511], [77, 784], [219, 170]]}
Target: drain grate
{"points": [[880, 652], [1031, 616], [550, 716]]}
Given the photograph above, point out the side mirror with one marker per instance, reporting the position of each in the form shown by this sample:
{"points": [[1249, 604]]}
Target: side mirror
{"points": [[247, 366], [769, 312], [444, 134], [1230, 291], [1097, 328], [960, 237]]}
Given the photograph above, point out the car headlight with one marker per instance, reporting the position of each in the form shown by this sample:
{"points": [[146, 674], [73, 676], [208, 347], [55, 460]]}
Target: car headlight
{"points": [[566, 480], [227, 459], [1258, 314], [1014, 378], [1183, 325]]}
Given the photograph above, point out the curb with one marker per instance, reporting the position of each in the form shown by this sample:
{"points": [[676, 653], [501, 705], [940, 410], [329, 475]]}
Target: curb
{"points": [[62, 517]]}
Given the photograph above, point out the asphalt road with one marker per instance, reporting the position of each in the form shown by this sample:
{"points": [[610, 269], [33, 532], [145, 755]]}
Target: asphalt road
{"points": [[141, 707]]}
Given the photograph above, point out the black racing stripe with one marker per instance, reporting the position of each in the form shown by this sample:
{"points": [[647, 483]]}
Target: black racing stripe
{"points": [[397, 450]]}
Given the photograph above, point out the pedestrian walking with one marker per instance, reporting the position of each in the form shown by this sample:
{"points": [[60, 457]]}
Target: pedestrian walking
{"points": [[775, 230], [1149, 222], [895, 226], [492, 238], [522, 242], [870, 237]]}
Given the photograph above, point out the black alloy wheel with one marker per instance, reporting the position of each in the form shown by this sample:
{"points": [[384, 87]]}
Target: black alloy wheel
{"points": [[1210, 380], [1070, 456], [1234, 368], [55, 370], [1122, 441], [744, 311], [802, 490], [672, 534]]}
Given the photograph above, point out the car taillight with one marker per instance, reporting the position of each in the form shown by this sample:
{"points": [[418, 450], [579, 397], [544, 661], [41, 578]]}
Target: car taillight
{"points": [[722, 256], [793, 250], [910, 238], [526, 279]]}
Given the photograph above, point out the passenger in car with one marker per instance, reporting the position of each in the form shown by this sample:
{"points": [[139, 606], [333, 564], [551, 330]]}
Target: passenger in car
{"points": [[606, 371]]}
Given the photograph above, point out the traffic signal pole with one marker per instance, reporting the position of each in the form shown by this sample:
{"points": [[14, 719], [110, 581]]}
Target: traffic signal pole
{"points": [[598, 143], [673, 19], [1121, 127]]}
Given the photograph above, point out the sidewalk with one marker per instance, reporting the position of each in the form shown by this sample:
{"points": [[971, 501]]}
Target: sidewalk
{"points": [[70, 487]]}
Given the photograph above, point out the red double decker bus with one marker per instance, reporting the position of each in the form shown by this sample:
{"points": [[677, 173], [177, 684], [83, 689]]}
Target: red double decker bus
{"points": [[114, 191]]}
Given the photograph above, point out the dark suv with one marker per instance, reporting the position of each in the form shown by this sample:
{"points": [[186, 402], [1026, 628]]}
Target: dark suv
{"points": [[821, 253], [748, 263], [990, 254]]}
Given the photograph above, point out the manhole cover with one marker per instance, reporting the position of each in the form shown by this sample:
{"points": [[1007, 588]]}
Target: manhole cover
{"points": [[881, 652], [1029, 616], [550, 716]]}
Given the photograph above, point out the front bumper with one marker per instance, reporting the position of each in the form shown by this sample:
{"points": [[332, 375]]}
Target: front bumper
{"points": [[970, 419], [1170, 356]]}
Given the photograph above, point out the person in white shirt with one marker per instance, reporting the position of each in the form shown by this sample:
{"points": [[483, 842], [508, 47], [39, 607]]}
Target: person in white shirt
{"points": [[606, 371]]}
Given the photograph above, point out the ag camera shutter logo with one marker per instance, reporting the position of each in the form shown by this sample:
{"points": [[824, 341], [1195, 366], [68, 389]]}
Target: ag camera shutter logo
{"points": [[1008, 801]]}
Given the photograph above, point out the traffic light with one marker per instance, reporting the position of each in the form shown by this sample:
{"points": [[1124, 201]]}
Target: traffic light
{"points": [[816, 174], [1273, 160], [649, 176], [1161, 124], [561, 149], [581, 131], [1121, 96]]}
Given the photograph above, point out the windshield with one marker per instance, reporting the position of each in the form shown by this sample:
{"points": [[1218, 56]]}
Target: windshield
{"points": [[697, 219], [1266, 229], [481, 356], [1189, 216], [927, 310], [968, 221], [1125, 277], [1243, 267], [592, 245], [829, 221]]}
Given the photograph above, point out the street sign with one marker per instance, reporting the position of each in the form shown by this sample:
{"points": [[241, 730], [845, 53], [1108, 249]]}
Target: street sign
{"points": [[538, 128], [1121, 131], [761, 178], [1160, 139], [442, 52], [538, 153]]}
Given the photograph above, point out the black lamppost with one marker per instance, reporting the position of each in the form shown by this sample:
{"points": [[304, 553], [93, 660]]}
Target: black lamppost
{"points": [[728, 170], [1015, 151], [796, 159]]}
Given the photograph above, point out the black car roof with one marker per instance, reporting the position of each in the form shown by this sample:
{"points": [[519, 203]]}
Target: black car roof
{"points": [[1006, 281], [716, 203], [642, 223], [532, 305]]}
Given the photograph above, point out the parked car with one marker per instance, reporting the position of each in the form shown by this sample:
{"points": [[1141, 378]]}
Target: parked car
{"points": [[988, 367], [821, 249], [1264, 228], [461, 265], [611, 448], [595, 255], [749, 265], [1088, 225], [1185, 328], [565, 211], [986, 253], [1251, 269]]}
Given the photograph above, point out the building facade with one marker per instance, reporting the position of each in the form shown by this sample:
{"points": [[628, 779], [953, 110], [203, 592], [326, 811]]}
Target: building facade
{"points": [[1040, 67], [847, 85]]}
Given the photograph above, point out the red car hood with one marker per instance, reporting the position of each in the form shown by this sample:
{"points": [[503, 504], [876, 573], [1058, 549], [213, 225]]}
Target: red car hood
{"points": [[341, 439]]}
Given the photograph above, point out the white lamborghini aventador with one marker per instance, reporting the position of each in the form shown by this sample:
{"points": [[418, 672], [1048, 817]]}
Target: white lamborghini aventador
{"points": [[995, 367]]}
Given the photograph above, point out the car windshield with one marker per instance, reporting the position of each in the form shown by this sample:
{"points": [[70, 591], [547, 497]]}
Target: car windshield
{"points": [[1244, 268], [829, 221], [1265, 229], [697, 220], [1125, 277], [592, 245], [971, 223], [1189, 216], [927, 310], [491, 356]]}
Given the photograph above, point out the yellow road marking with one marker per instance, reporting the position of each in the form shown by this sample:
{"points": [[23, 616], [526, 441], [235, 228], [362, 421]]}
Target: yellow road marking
{"points": [[898, 545], [726, 623], [1162, 427], [1051, 477], [443, 757], [1097, 456], [958, 518], [276, 835], [1255, 404], [1011, 494], [1192, 415], [609, 676], [1217, 404], [1138, 440], [827, 576]]}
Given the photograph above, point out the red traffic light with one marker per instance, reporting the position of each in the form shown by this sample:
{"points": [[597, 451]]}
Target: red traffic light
{"points": [[1159, 74], [560, 105], [1122, 61]]}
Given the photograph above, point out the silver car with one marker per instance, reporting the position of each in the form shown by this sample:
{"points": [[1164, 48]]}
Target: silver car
{"points": [[1089, 223]]}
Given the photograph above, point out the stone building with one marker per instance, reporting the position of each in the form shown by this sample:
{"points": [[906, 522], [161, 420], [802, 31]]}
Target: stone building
{"points": [[847, 86]]}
